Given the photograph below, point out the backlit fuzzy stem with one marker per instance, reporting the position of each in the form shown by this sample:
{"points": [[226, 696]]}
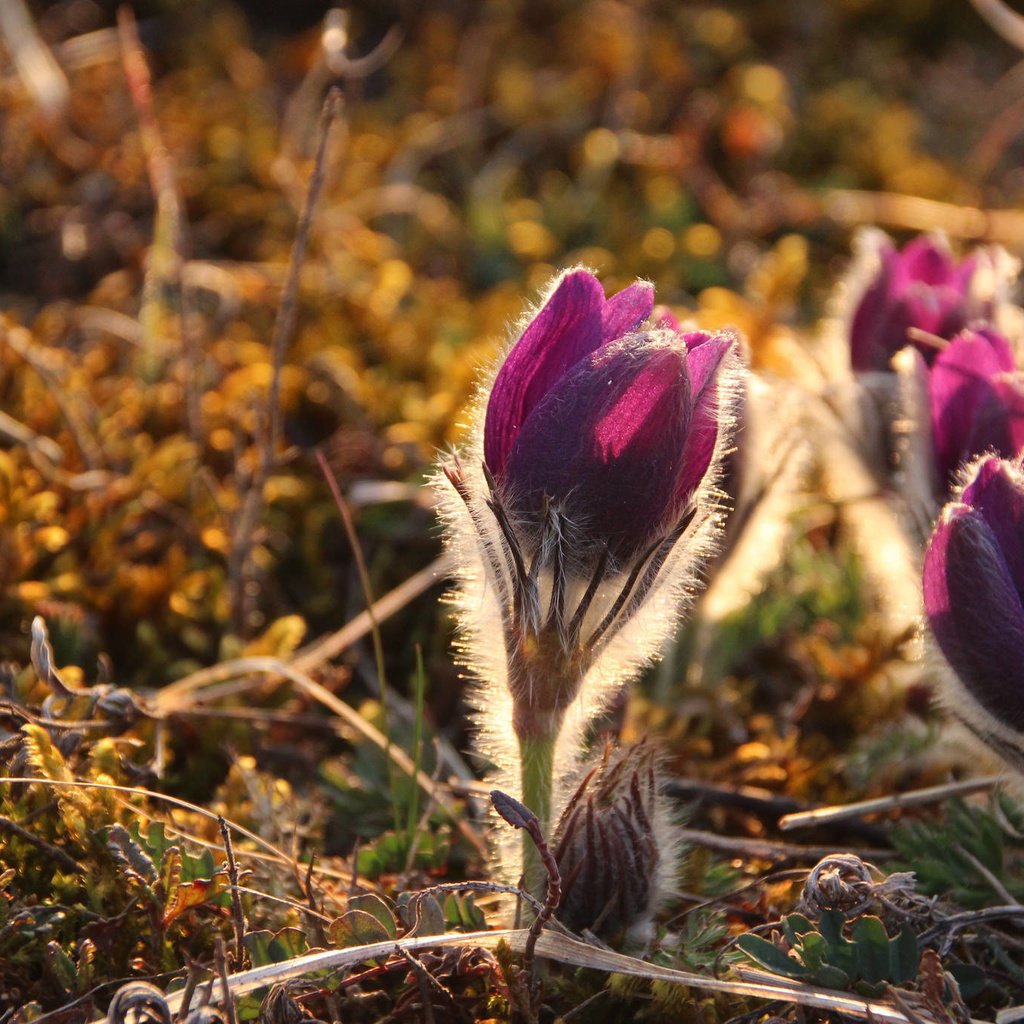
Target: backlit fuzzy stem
{"points": [[537, 756]]}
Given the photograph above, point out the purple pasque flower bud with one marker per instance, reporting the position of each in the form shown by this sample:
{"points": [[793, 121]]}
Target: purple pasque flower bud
{"points": [[976, 400], [621, 442], [615, 844], [974, 599], [907, 295], [599, 433], [970, 401], [615, 426], [593, 453]]}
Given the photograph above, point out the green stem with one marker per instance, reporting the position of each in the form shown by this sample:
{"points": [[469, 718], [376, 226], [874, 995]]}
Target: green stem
{"points": [[537, 756]]}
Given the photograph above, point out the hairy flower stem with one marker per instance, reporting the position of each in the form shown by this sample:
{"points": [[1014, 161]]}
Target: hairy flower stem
{"points": [[537, 756]]}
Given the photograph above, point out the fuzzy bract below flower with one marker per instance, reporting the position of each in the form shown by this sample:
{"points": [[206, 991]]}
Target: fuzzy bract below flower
{"points": [[974, 598], [589, 483], [615, 847], [905, 295]]}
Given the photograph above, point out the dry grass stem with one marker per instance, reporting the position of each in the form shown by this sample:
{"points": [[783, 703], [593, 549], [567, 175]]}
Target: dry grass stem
{"points": [[915, 798], [166, 703], [574, 953], [912, 213], [1003, 19]]}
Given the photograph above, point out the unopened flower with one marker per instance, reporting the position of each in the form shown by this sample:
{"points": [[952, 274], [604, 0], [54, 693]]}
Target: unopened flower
{"points": [[917, 293], [613, 426], [898, 310], [615, 845], [974, 598], [589, 487], [976, 398], [968, 403]]}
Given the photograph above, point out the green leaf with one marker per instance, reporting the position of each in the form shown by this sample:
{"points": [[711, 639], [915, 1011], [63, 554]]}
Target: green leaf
{"points": [[389, 852], [769, 956], [424, 914], [795, 925], [155, 841], [129, 854], [356, 928], [830, 924], [971, 980], [904, 957], [831, 977], [817, 953], [267, 947], [873, 960], [373, 905], [62, 966], [461, 912]]}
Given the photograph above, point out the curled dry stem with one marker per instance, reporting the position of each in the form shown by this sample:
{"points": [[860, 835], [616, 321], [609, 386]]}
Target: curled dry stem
{"points": [[520, 816]]}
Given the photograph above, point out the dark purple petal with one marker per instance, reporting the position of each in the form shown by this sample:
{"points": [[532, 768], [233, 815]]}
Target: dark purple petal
{"points": [[706, 353], [940, 312], [961, 385], [1001, 347], [996, 494], [607, 443], [565, 331], [921, 287], [975, 612], [624, 312], [998, 424], [867, 350], [925, 261]]}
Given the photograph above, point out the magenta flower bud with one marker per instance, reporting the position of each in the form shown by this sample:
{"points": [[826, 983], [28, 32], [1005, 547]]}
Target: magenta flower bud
{"points": [[976, 399], [974, 599], [615, 426], [918, 291]]}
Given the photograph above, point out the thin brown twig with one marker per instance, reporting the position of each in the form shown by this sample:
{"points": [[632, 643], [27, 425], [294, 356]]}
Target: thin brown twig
{"points": [[852, 206], [314, 654], [768, 849], [274, 668], [237, 914], [520, 816], [1003, 20], [222, 970], [170, 243], [66, 861], [284, 327], [364, 580], [1001, 891], [423, 979], [284, 324]]}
